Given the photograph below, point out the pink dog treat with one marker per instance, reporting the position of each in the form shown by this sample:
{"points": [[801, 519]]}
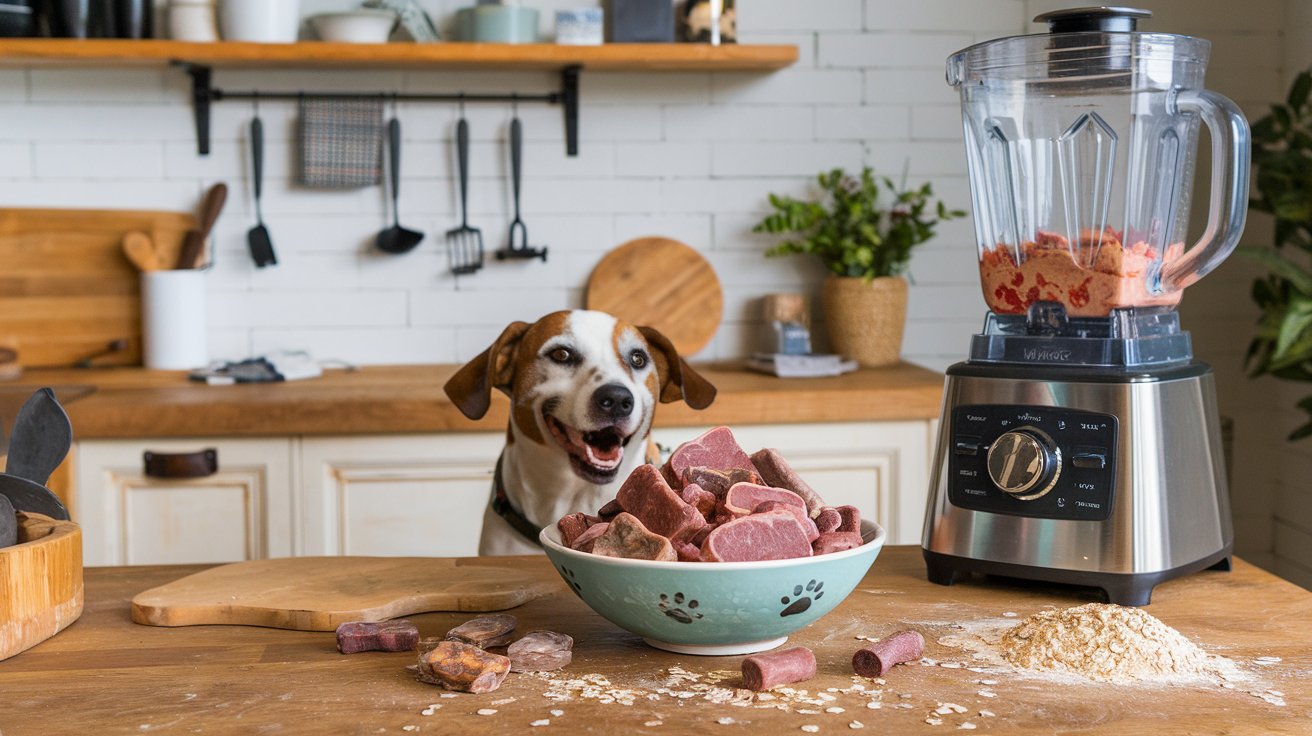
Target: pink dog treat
{"points": [[571, 526], [715, 448], [851, 519], [485, 631], [797, 511], [456, 665], [645, 495], [835, 542], [699, 498], [764, 671], [776, 535], [777, 472], [716, 481], [590, 536], [384, 636], [627, 537], [743, 497], [877, 658], [828, 519], [687, 552], [541, 651]]}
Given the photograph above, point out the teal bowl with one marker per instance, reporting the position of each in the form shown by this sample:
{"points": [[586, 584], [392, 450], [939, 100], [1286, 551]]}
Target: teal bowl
{"points": [[714, 608]]}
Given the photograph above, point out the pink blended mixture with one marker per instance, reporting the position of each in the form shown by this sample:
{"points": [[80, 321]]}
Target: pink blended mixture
{"points": [[1048, 271]]}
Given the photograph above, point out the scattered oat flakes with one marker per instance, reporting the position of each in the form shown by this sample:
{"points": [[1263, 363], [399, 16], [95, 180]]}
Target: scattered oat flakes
{"points": [[504, 701], [856, 724], [905, 696], [1267, 660], [1009, 614], [987, 694], [726, 721], [825, 696], [652, 724], [430, 710], [448, 695], [487, 711], [986, 714], [557, 712], [765, 696], [987, 682], [874, 705], [934, 721], [951, 665], [409, 728], [541, 722], [967, 726], [808, 711], [811, 729], [833, 709]]}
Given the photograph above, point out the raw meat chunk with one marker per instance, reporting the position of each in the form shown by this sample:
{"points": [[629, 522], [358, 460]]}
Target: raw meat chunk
{"points": [[540, 651], [776, 471], [743, 497], [799, 512], [699, 498], [851, 519], [716, 481], [589, 537], [828, 519], [771, 669], [835, 542], [776, 535], [645, 495], [369, 636], [571, 526], [716, 448], [877, 658], [485, 631]]}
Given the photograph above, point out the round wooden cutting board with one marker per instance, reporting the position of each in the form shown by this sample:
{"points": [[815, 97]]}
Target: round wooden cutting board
{"points": [[661, 283]]}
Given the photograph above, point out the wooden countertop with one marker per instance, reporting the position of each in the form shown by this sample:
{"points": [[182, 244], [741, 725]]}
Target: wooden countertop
{"points": [[106, 675], [132, 402]]}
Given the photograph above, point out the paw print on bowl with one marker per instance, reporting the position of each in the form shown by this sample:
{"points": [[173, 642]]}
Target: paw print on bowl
{"points": [[568, 574], [674, 608], [801, 598]]}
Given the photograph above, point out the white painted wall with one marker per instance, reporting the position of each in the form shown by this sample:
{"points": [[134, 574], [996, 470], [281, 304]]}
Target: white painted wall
{"points": [[690, 156]]}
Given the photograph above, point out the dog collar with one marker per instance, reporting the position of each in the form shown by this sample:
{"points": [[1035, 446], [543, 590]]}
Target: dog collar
{"points": [[503, 508]]}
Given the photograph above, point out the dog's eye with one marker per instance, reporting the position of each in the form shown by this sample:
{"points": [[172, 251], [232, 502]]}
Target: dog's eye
{"points": [[561, 355], [638, 359]]}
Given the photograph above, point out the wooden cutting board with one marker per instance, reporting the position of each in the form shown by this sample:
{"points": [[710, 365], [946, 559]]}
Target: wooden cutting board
{"points": [[67, 290], [318, 593], [660, 283]]}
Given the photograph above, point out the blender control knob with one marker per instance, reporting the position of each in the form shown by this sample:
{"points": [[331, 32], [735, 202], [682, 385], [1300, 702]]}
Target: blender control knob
{"points": [[1024, 462]]}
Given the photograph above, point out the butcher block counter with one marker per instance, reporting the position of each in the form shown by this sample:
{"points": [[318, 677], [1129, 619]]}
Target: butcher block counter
{"points": [[133, 402], [107, 675]]}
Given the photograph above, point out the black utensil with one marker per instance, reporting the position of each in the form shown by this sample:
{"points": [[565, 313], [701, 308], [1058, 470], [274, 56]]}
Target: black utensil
{"points": [[39, 441], [464, 243], [261, 245], [8, 523], [518, 248], [396, 239]]}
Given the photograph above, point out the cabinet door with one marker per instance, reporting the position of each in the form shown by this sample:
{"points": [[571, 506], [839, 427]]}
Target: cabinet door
{"points": [[403, 495], [241, 512], [882, 468]]}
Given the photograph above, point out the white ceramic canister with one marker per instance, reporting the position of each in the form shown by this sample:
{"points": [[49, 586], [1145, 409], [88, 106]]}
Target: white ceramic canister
{"points": [[173, 319], [192, 20], [264, 21]]}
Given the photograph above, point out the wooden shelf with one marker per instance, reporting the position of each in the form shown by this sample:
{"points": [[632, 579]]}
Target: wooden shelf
{"points": [[654, 57]]}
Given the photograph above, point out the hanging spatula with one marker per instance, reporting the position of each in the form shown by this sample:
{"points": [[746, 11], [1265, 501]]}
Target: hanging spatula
{"points": [[464, 243], [257, 239]]}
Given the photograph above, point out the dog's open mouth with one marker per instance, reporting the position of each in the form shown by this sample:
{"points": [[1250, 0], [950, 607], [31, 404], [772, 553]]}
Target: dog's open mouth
{"points": [[596, 455]]}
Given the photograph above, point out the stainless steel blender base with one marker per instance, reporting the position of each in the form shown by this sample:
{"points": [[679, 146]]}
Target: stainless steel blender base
{"points": [[1165, 511]]}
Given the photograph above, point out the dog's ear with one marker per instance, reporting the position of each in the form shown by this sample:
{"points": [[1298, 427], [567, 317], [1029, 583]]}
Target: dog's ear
{"points": [[678, 380], [470, 389]]}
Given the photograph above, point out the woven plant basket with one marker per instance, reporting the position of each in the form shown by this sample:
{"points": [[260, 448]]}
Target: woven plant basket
{"points": [[866, 318]]}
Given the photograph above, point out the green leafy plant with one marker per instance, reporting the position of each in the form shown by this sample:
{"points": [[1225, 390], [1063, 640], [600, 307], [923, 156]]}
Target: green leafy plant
{"points": [[854, 230], [1282, 156]]}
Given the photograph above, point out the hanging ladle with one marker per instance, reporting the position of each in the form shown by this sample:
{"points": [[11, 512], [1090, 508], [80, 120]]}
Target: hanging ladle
{"points": [[396, 239]]}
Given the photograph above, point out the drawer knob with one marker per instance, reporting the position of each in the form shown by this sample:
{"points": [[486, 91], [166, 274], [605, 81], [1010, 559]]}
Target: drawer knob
{"points": [[181, 464]]}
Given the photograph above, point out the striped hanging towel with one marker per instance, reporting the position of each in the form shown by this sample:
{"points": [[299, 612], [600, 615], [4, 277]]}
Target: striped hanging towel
{"points": [[341, 142]]}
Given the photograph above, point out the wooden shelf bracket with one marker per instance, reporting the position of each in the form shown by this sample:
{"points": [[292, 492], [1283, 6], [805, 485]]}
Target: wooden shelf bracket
{"points": [[204, 94]]}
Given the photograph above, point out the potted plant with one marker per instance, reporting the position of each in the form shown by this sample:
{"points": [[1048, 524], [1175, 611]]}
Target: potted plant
{"points": [[864, 238], [1282, 157]]}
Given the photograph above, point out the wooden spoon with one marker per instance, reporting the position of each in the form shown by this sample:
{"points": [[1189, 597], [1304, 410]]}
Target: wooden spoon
{"points": [[139, 249]]}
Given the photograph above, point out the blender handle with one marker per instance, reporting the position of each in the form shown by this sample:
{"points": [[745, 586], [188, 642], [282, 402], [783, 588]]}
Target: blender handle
{"points": [[1231, 154]]}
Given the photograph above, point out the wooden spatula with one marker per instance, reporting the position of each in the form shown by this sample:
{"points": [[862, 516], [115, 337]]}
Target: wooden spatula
{"points": [[140, 249]]}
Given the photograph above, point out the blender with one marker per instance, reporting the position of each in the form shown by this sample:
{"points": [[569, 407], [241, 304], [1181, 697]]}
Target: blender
{"points": [[1079, 442]]}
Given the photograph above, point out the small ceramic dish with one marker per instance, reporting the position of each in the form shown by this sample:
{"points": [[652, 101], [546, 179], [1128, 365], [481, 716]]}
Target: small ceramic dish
{"points": [[366, 25], [714, 608]]}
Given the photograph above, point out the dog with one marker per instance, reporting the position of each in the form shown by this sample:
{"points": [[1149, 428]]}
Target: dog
{"points": [[583, 389]]}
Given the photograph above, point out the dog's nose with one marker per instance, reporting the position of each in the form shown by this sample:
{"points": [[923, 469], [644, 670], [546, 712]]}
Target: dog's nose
{"points": [[613, 400]]}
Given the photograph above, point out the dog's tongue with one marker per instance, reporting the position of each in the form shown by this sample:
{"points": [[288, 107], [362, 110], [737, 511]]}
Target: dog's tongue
{"points": [[606, 459]]}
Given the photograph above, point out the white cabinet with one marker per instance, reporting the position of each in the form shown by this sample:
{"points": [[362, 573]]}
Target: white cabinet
{"points": [[416, 495], [241, 512], [419, 494]]}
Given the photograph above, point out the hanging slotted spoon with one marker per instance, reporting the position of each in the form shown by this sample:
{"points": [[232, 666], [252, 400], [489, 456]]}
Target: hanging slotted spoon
{"points": [[464, 243], [396, 239]]}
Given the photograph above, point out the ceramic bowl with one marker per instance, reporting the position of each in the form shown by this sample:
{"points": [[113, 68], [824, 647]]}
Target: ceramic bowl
{"points": [[713, 608], [357, 26]]}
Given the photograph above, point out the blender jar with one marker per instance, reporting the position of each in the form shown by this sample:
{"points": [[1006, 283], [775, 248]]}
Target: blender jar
{"points": [[1081, 145]]}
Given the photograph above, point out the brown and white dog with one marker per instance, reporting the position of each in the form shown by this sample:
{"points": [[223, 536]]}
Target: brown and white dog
{"points": [[583, 389]]}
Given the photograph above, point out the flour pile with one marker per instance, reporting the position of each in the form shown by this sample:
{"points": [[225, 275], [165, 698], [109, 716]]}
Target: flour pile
{"points": [[1107, 643]]}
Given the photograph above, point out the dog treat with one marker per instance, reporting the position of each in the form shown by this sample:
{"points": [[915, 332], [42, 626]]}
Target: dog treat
{"points": [[877, 658], [610, 510], [699, 498], [571, 526], [716, 481], [764, 671], [428, 643], [627, 537], [743, 497], [456, 665], [798, 512], [687, 551], [541, 651], [715, 448], [645, 495], [380, 636], [775, 535], [776, 471], [485, 631], [851, 519], [828, 542], [828, 519], [588, 538]]}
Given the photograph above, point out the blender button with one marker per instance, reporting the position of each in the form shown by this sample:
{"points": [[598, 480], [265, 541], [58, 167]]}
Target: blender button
{"points": [[1092, 459], [966, 446]]}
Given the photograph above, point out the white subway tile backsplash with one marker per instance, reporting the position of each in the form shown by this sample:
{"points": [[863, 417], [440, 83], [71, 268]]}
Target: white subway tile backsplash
{"points": [[391, 345], [787, 87], [71, 121], [15, 160], [936, 122], [13, 87], [889, 49], [863, 123], [900, 86], [738, 123], [105, 86], [920, 159], [784, 159], [1001, 17], [695, 230], [490, 308], [790, 15], [91, 194], [99, 161], [726, 195], [324, 309], [647, 89], [663, 159]]}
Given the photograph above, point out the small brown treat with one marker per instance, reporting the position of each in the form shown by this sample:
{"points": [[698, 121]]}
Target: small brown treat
{"points": [[828, 519], [571, 526], [764, 671], [541, 651], [456, 665], [627, 537], [589, 537], [381, 636], [776, 471], [485, 631], [851, 519], [877, 658], [699, 498], [687, 552], [610, 509], [836, 542]]}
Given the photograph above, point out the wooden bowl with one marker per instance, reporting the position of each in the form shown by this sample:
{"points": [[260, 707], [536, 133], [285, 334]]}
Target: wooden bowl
{"points": [[41, 577]]}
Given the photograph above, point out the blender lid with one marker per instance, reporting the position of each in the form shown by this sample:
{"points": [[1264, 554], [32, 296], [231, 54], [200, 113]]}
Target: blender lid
{"points": [[1098, 44]]}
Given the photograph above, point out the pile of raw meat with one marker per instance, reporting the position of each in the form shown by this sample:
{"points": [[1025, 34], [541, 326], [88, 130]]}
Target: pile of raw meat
{"points": [[711, 502]]}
